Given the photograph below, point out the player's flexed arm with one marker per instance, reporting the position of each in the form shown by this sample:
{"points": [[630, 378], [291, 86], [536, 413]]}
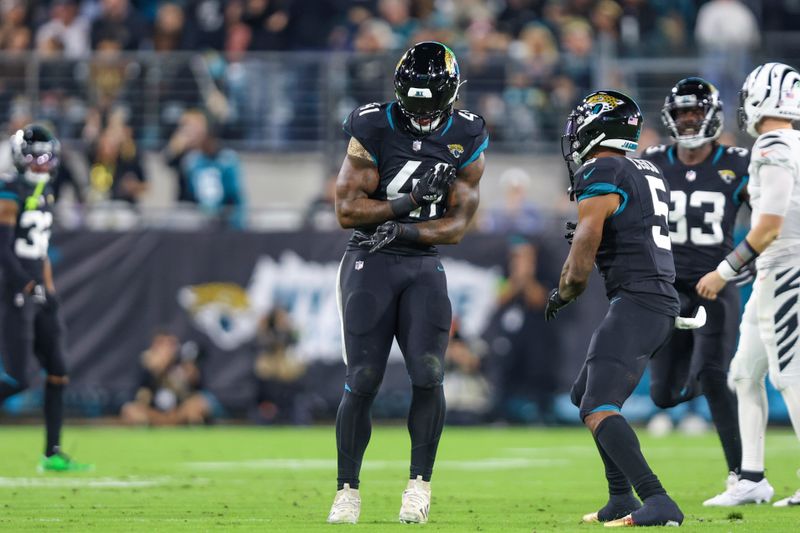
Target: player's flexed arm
{"points": [[463, 199], [358, 178], [592, 215]]}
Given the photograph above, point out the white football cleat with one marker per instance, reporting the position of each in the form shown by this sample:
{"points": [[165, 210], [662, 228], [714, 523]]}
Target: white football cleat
{"points": [[791, 501], [416, 502], [731, 480], [346, 506], [744, 491]]}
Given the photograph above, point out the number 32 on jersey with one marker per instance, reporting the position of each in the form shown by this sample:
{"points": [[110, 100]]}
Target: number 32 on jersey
{"points": [[38, 225]]}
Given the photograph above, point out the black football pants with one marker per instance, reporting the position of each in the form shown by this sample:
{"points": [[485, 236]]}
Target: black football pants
{"points": [[387, 296], [619, 351], [28, 331]]}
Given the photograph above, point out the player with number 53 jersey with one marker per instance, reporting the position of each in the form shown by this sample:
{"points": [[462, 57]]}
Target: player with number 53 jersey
{"points": [[622, 228], [409, 182], [707, 183]]}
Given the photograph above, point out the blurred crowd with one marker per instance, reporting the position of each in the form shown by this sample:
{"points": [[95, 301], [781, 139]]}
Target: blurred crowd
{"points": [[190, 79], [526, 60], [80, 26]]}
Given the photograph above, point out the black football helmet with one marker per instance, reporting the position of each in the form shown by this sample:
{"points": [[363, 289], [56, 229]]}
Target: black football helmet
{"points": [[604, 118], [35, 145], [698, 94], [426, 83]]}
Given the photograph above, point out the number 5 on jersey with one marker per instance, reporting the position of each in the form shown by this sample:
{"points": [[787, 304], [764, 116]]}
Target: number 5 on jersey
{"points": [[660, 209]]}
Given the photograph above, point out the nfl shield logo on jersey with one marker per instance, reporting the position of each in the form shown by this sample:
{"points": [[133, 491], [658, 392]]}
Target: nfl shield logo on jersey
{"points": [[691, 175], [359, 265], [417, 146], [727, 176]]}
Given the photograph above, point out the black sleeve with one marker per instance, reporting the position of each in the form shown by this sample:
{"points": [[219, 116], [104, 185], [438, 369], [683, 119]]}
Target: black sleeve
{"points": [[364, 125]]}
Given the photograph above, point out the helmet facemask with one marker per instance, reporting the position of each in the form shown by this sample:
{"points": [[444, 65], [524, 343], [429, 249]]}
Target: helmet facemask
{"points": [[426, 84], [693, 134], [35, 154]]}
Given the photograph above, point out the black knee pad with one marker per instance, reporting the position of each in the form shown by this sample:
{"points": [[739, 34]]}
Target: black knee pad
{"points": [[427, 372], [364, 380], [663, 399]]}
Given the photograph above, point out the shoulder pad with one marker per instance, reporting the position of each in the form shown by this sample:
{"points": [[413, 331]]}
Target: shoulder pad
{"points": [[600, 162], [365, 120], [471, 123], [773, 148], [773, 139], [736, 151]]}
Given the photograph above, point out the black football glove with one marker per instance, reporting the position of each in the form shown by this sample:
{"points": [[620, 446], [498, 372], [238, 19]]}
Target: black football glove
{"points": [[570, 234], [385, 234], [435, 183], [554, 305]]}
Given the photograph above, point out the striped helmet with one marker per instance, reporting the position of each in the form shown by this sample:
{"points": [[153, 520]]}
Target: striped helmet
{"points": [[771, 90]]}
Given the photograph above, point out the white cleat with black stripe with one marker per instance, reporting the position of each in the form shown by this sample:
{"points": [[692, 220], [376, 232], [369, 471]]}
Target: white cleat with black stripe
{"points": [[416, 502]]}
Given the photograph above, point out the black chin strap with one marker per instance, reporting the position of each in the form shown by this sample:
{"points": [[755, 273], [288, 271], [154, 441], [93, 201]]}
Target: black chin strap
{"points": [[571, 189]]}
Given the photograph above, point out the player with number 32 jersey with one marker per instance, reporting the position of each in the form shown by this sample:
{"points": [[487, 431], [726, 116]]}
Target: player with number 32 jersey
{"points": [[31, 323]]}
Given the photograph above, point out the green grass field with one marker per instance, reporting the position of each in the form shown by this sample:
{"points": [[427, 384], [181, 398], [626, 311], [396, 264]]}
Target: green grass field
{"points": [[283, 479]]}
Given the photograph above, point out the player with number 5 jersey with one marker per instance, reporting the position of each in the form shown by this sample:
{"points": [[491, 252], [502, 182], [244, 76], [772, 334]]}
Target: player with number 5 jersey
{"points": [[409, 182], [31, 325], [707, 183], [622, 228]]}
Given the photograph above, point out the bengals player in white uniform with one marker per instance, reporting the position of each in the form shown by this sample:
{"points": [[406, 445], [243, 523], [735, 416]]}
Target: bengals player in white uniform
{"points": [[768, 344]]}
